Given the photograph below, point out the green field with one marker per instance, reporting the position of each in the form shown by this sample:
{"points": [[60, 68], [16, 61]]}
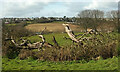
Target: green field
{"points": [[30, 64], [49, 37]]}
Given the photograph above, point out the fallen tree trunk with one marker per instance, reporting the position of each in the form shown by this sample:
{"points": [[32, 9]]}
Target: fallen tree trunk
{"points": [[70, 33], [26, 44], [73, 36]]}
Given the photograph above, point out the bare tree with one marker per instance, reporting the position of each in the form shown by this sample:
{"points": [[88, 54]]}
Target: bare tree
{"points": [[90, 18], [97, 16], [112, 14], [113, 17], [83, 19]]}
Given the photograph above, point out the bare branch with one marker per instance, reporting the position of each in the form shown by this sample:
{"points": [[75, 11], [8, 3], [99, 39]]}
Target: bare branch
{"points": [[42, 43], [55, 42], [43, 31]]}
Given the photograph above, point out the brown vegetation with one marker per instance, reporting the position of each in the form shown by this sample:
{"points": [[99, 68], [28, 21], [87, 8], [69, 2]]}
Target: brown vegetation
{"points": [[51, 27]]}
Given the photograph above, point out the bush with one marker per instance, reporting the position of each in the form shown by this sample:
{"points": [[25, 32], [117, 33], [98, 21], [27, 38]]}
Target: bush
{"points": [[10, 51], [26, 54], [17, 31], [73, 53], [90, 50]]}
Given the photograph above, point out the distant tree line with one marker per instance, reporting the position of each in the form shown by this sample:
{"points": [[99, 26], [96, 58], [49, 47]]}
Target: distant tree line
{"points": [[94, 18], [86, 19]]}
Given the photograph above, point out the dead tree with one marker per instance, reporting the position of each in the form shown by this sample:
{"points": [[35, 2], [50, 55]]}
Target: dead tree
{"points": [[81, 38], [70, 33], [26, 44]]}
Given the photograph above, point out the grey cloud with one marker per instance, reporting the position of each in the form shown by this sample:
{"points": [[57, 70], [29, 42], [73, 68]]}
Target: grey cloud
{"points": [[19, 10], [36, 9]]}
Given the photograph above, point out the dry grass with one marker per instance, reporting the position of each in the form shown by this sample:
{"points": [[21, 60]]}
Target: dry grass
{"points": [[52, 27]]}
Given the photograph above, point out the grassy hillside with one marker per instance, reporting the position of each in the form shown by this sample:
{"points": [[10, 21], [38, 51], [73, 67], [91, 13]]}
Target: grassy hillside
{"points": [[30, 64]]}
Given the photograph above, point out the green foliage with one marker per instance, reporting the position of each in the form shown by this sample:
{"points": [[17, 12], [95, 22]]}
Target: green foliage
{"points": [[30, 64], [11, 24], [29, 22], [58, 22]]}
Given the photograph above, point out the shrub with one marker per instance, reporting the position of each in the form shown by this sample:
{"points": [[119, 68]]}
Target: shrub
{"points": [[73, 53], [16, 32], [26, 54], [10, 51], [103, 47]]}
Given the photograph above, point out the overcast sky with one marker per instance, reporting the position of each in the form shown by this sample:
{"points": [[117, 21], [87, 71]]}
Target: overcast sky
{"points": [[38, 8]]}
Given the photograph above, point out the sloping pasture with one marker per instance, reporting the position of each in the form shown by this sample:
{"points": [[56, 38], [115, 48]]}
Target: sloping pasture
{"points": [[52, 27]]}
